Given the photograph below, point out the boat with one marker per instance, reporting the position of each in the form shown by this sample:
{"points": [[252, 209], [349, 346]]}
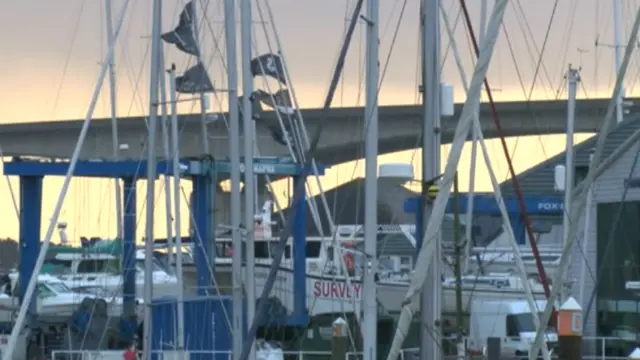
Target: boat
{"points": [[332, 290], [56, 302], [96, 268]]}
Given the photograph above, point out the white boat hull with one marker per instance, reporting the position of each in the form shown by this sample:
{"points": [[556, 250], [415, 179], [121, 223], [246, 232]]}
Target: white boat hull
{"points": [[106, 285], [59, 307], [327, 294]]}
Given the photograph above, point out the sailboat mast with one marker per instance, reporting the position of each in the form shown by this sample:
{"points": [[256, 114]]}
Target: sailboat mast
{"points": [[234, 154], [167, 155], [249, 179], [430, 307], [617, 47], [151, 171], [175, 143], [370, 318], [114, 121], [572, 81], [457, 265]]}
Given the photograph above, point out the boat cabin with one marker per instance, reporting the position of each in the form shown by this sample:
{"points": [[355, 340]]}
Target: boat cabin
{"points": [[48, 286]]}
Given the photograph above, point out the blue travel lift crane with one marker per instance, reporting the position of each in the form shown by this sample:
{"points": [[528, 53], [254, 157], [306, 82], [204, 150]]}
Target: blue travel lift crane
{"points": [[204, 174], [487, 205]]}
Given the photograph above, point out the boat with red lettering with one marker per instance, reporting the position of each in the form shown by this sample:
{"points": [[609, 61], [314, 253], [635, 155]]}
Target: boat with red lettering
{"points": [[334, 273]]}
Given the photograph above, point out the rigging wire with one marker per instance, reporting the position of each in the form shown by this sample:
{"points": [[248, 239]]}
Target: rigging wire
{"points": [[514, 180], [566, 41], [544, 46], [67, 60], [310, 152], [539, 65], [526, 29], [524, 91]]}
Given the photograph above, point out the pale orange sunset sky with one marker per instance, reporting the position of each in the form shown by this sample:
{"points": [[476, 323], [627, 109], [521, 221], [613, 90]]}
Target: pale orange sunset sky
{"points": [[52, 50]]}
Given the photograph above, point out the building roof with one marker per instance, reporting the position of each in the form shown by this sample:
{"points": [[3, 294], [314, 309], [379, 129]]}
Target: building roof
{"points": [[539, 180], [347, 201]]}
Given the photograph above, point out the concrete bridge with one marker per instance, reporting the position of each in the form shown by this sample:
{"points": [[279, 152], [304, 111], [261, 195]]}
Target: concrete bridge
{"points": [[341, 140]]}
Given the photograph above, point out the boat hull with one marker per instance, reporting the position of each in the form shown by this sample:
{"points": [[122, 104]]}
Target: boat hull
{"points": [[328, 294]]}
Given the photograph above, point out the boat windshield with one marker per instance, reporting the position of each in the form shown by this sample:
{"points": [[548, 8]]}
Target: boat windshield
{"points": [[44, 291], [156, 265], [58, 287]]}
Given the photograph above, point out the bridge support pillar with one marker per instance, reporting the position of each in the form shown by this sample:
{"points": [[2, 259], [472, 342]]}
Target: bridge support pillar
{"points": [[202, 235], [30, 222], [129, 249], [299, 253]]}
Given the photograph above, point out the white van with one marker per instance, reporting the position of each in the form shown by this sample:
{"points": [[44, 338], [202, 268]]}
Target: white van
{"points": [[509, 320]]}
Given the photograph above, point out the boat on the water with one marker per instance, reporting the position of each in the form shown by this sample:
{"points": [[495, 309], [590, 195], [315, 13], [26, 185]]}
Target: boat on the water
{"points": [[333, 287], [55, 300], [95, 268]]}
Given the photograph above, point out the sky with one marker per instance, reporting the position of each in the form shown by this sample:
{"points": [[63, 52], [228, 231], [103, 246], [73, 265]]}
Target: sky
{"points": [[52, 52]]}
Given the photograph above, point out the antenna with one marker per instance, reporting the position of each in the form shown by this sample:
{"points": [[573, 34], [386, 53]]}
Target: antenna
{"points": [[581, 51]]}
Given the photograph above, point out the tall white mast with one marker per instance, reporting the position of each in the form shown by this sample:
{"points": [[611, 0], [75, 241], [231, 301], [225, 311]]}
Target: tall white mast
{"points": [[432, 289], [151, 171], [617, 47], [370, 317], [573, 77], [234, 154], [586, 238], [176, 195], [249, 180], [167, 155], [114, 120]]}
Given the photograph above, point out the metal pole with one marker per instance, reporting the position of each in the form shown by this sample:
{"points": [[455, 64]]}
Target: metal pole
{"points": [[203, 104], [370, 318], [573, 77], [151, 173], [474, 159], [114, 120], [249, 179], [234, 154], [432, 289], [298, 190], [7, 354], [166, 145], [457, 266], [617, 47], [585, 239], [176, 194]]}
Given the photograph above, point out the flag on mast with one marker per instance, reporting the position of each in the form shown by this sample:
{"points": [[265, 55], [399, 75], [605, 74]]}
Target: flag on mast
{"points": [[183, 36], [269, 65], [194, 81]]}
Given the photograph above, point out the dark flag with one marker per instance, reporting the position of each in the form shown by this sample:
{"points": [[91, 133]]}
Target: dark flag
{"points": [[269, 65], [183, 35], [256, 106], [195, 80], [280, 99]]}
